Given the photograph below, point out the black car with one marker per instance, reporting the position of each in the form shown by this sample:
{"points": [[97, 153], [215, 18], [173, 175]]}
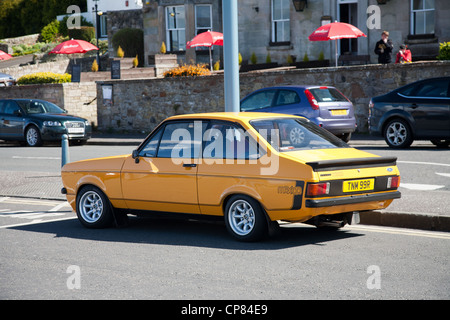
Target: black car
{"points": [[35, 121], [417, 111]]}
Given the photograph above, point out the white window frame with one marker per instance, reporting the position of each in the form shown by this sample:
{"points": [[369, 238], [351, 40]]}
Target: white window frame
{"points": [[281, 22], [412, 20], [210, 18], [182, 45]]}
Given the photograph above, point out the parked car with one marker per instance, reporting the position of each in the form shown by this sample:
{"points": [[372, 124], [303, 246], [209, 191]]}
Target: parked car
{"points": [[324, 105], [6, 80], [35, 121], [417, 111], [240, 167]]}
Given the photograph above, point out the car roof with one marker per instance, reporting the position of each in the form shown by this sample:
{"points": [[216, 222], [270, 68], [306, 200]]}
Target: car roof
{"points": [[293, 86], [232, 116]]}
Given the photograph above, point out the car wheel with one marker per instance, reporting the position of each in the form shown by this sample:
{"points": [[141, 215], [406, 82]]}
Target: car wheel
{"points": [[398, 134], [33, 137], [93, 208], [441, 143], [244, 219], [346, 137], [297, 137]]}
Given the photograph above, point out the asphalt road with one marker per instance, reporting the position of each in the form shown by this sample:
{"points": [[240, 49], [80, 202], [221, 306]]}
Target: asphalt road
{"points": [[47, 254]]}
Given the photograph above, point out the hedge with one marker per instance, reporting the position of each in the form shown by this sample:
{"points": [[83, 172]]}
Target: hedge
{"points": [[44, 77], [188, 71]]}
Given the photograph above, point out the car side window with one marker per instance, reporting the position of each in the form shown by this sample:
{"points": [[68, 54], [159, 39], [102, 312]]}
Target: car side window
{"points": [[287, 97], [433, 89], [224, 140], [10, 107], [2, 106], [151, 147], [181, 140], [259, 100]]}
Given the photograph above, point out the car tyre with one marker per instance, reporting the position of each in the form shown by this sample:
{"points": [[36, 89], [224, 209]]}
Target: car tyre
{"points": [[93, 208], [33, 137], [398, 134], [245, 219]]}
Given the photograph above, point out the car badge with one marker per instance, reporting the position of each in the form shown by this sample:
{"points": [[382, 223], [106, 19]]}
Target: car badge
{"points": [[390, 169]]}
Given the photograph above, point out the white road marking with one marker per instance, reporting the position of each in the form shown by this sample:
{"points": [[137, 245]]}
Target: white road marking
{"points": [[443, 174], [37, 158], [35, 222], [420, 187], [426, 163], [400, 231]]}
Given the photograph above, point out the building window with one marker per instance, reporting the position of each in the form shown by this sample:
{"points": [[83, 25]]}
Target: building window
{"points": [[175, 28], [280, 21], [422, 16], [203, 21], [103, 26]]}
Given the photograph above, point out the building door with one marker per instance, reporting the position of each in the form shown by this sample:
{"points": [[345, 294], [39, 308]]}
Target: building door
{"points": [[348, 13]]}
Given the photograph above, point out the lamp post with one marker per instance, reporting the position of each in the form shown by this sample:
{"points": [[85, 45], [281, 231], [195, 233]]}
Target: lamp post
{"points": [[97, 28]]}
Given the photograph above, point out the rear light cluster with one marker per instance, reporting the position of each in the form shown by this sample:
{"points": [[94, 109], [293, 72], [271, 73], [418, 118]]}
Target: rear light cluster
{"points": [[318, 189], [312, 100], [393, 182]]}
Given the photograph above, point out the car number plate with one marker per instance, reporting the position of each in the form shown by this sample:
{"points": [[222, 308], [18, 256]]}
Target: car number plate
{"points": [[358, 185], [75, 130], [340, 112]]}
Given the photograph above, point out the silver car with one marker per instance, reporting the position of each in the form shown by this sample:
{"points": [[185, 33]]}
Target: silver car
{"points": [[6, 80]]}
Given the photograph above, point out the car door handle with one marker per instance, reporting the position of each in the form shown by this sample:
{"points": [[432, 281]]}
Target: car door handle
{"points": [[414, 106], [189, 165]]}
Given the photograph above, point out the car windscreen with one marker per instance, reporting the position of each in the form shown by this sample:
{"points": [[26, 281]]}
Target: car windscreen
{"points": [[325, 94], [35, 106], [288, 134]]}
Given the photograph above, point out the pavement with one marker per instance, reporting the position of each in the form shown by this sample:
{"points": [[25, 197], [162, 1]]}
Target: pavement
{"points": [[48, 186]]}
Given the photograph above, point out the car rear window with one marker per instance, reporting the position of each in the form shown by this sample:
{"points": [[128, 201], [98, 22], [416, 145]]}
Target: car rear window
{"points": [[287, 134], [326, 94]]}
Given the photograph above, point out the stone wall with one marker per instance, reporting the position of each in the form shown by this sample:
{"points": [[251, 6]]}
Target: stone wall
{"points": [[139, 105], [59, 66], [77, 98]]}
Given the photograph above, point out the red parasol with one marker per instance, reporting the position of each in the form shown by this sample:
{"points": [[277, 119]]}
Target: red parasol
{"points": [[4, 55], [334, 31], [206, 39], [73, 46]]}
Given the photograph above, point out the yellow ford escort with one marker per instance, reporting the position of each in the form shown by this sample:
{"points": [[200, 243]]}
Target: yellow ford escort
{"points": [[252, 169]]}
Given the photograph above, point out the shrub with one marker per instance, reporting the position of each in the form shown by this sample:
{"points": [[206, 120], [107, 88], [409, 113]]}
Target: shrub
{"points": [[188, 71], [84, 33], [253, 58], [94, 67], [44, 77], [24, 49], [444, 51], [216, 65], [268, 58], [163, 49], [240, 58], [305, 58], [120, 52], [132, 42], [135, 62], [50, 32], [64, 31]]}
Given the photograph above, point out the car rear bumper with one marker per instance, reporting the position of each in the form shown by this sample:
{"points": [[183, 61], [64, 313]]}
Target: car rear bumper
{"points": [[337, 126], [353, 199]]}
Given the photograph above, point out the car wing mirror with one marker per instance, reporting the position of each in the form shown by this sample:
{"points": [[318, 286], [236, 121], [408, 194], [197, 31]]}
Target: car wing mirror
{"points": [[135, 156]]}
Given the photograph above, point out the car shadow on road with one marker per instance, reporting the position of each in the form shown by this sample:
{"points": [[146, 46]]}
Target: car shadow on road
{"points": [[177, 232]]}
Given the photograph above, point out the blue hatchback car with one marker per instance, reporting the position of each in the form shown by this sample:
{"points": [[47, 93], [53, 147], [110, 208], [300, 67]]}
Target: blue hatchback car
{"points": [[324, 105]]}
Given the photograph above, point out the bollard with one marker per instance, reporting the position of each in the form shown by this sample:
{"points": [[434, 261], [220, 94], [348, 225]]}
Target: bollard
{"points": [[64, 150]]}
